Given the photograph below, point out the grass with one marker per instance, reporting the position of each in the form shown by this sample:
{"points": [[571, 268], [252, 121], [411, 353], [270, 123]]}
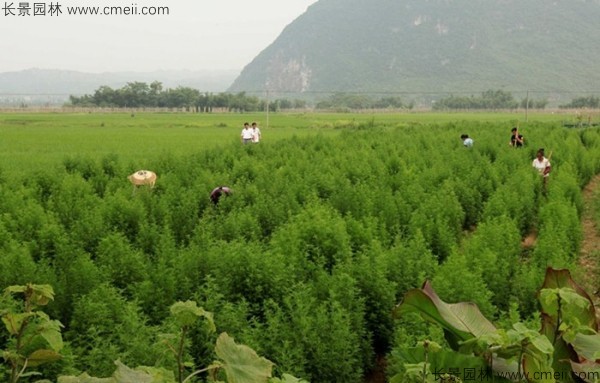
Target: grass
{"points": [[36, 140]]}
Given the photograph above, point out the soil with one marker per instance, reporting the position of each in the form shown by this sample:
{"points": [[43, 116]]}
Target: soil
{"points": [[529, 241], [588, 273], [378, 373]]}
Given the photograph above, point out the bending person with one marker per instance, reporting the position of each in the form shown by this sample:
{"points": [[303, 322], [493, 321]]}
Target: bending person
{"points": [[216, 194]]}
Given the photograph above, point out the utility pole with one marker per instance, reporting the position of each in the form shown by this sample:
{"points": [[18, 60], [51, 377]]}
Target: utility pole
{"points": [[527, 106], [267, 108]]}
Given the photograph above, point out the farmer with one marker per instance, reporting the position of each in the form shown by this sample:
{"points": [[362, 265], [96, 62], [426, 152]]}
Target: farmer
{"points": [[246, 134], [255, 133], [516, 140], [467, 141], [216, 194], [542, 165]]}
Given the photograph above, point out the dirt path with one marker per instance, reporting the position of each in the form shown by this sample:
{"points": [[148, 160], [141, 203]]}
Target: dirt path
{"points": [[378, 373], [588, 273]]}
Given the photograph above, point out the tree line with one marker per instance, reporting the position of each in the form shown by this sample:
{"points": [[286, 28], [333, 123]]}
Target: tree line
{"points": [[142, 95], [583, 102], [490, 99]]}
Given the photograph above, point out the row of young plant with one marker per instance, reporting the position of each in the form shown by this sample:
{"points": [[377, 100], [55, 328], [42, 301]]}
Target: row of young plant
{"points": [[35, 339], [306, 260]]}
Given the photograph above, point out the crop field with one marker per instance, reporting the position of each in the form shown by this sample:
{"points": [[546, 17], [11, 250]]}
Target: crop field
{"points": [[37, 140], [334, 220]]}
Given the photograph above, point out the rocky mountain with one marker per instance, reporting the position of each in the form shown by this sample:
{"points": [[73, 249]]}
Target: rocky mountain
{"points": [[419, 46]]}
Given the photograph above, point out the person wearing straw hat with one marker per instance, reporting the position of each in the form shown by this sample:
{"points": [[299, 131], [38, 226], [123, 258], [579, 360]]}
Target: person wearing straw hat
{"points": [[141, 178]]}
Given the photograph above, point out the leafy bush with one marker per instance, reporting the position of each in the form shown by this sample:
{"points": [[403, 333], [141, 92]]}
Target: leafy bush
{"points": [[312, 338], [115, 328]]}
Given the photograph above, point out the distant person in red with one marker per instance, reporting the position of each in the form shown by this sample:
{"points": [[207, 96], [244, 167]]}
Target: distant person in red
{"points": [[216, 194]]}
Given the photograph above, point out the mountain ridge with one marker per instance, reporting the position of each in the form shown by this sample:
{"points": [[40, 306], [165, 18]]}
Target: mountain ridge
{"points": [[431, 46]]}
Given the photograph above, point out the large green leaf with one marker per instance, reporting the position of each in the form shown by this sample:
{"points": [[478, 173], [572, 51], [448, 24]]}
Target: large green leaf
{"points": [[124, 374], [15, 289], [84, 378], [14, 321], [39, 357], [443, 361], [537, 354], [241, 363], [587, 371], [538, 370], [187, 313], [539, 342], [286, 378], [462, 320], [587, 346], [577, 314], [40, 294], [560, 279], [159, 375], [563, 352], [50, 331]]}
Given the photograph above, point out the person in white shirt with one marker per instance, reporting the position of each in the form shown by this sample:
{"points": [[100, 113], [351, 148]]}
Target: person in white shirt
{"points": [[467, 141], [246, 134], [542, 165], [255, 133]]}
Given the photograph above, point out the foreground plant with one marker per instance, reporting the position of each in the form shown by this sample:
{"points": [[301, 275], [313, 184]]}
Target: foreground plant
{"points": [[566, 349], [236, 363], [33, 338]]}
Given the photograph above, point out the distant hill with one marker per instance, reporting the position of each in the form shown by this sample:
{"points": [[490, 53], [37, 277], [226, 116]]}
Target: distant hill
{"points": [[56, 85], [433, 46]]}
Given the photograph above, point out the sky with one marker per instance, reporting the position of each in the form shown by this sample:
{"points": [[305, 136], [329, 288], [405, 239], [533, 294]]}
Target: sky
{"points": [[195, 35]]}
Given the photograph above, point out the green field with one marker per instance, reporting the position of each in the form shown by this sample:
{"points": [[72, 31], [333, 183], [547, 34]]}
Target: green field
{"points": [[33, 141], [333, 220]]}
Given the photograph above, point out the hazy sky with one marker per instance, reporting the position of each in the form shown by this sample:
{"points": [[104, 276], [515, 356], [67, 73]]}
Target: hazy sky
{"points": [[196, 34]]}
